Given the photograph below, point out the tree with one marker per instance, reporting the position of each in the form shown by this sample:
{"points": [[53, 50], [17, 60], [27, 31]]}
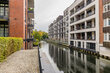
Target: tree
{"points": [[36, 35], [45, 35]]}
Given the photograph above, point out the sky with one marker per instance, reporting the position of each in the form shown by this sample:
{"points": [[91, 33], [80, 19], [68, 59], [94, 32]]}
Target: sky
{"points": [[46, 11]]}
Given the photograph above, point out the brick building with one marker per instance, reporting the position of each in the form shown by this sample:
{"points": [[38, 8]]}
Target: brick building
{"points": [[16, 19]]}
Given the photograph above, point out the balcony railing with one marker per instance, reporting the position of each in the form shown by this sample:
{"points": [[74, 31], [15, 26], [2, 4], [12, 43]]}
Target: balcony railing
{"points": [[30, 10], [29, 39], [30, 26], [81, 17], [90, 13], [4, 18], [90, 38]]}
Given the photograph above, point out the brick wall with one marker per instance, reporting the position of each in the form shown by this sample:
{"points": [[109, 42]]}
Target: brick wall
{"points": [[101, 21], [17, 18]]}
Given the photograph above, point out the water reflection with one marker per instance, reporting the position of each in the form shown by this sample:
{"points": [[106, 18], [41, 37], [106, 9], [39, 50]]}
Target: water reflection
{"points": [[75, 62]]}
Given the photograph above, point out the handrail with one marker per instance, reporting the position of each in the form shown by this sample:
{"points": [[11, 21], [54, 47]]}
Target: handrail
{"points": [[40, 66]]}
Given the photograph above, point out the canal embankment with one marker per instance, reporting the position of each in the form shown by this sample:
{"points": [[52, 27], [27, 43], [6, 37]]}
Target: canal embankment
{"points": [[24, 61], [82, 50], [45, 64]]}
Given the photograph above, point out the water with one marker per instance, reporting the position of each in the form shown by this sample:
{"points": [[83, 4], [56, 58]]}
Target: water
{"points": [[65, 60]]}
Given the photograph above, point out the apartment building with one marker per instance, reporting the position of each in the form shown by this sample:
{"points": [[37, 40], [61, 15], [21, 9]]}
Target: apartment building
{"points": [[85, 27], [66, 23], [57, 30], [30, 23], [106, 18], [14, 19]]}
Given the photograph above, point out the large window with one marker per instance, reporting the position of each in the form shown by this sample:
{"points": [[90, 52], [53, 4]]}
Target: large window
{"points": [[3, 30], [106, 7], [105, 36], [109, 37], [106, 22], [4, 10], [109, 22]]}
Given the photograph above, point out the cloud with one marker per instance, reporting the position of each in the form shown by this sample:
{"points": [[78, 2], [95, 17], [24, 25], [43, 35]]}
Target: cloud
{"points": [[48, 10]]}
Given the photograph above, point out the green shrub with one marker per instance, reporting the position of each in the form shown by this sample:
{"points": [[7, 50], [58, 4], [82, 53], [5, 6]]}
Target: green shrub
{"points": [[36, 42], [9, 45]]}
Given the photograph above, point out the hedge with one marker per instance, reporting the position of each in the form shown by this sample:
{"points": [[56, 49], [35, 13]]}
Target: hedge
{"points": [[9, 45]]}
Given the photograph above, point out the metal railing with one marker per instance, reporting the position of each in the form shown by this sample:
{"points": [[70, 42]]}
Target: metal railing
{"points": [[40, 66]]}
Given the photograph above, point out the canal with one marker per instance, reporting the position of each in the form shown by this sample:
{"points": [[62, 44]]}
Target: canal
{"points": [[64, 60]]}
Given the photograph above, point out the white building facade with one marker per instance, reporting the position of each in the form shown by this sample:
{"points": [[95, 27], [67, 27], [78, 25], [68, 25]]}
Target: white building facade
{"points": [[84, 24]]}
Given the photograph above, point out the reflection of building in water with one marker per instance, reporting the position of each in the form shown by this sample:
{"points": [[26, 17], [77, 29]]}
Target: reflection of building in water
{"points": [[81, 63], [104, 66], [73, 62]]}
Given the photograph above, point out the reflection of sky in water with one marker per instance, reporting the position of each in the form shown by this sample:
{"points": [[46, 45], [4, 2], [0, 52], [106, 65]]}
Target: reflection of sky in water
{"points": [[65, 62], [45, 48]]}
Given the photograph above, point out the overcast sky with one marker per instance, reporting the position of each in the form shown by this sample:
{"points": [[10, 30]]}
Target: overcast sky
{"points": [[48, 10]]}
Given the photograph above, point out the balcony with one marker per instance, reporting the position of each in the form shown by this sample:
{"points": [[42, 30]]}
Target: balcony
{"points": [[80, 16], [72, 12], [89, 13], [90, 24], [29, 39], [72, 36], [30, 26], [91, 36], [30, 10], [80, 26], [80, 36], [31, 3], [72, 28], [80, 6], [72, 20], [89, 1], [3, 18]]}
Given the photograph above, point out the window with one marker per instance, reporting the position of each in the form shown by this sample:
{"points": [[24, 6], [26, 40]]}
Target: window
{"points": [[91, 46], [4, 10], [109, 22], [105, 22], [109, 37], [3, 30], [105, 8], [108, 7], [79, 44], [105, 36]]}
